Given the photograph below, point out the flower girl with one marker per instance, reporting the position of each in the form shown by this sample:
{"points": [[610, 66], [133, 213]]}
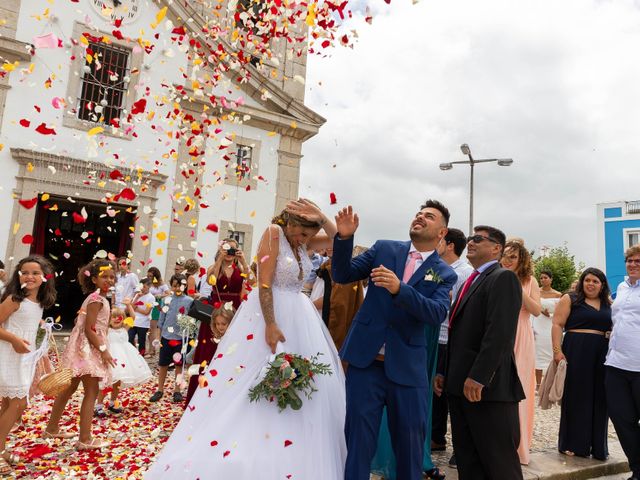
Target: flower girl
{"points": [[130, 369]]}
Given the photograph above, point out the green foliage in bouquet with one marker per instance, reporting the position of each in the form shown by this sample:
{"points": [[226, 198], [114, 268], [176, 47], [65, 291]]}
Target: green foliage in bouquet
{"points": [[289, 377]]}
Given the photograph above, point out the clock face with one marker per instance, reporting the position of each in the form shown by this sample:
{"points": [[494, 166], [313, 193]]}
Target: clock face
{"points": [[127, 10]]}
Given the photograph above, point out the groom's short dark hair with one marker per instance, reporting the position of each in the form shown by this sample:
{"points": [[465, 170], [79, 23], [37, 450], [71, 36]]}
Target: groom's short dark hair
{"points": [[438, 206]]}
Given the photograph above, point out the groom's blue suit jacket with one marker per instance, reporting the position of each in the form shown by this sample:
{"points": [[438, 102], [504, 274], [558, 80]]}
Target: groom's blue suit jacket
{"points": [[396, 321]]}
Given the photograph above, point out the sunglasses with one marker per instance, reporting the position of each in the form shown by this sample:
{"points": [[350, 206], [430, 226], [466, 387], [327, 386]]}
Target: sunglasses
{"points": [[479, 238], [632, 261]]}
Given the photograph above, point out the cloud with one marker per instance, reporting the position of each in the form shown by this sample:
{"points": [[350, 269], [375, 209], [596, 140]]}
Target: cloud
{"points": [[553, 85]]}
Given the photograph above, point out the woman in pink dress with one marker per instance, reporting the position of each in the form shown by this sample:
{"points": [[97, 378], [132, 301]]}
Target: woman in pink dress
{"points": [[87, 353], [518, 259]]}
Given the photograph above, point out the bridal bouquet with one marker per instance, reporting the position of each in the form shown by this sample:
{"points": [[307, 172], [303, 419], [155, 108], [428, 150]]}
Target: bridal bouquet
{"points": [[287, 378], [187, 325]]}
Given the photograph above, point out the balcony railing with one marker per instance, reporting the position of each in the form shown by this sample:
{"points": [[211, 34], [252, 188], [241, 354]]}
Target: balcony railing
{"points": [[633, 207]]}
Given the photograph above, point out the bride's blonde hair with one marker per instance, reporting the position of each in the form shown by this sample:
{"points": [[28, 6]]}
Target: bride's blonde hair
{"points": [[287, 218]]}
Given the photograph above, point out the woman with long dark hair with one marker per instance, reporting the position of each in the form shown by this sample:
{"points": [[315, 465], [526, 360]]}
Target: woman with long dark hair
{"points": [[585, 318]]}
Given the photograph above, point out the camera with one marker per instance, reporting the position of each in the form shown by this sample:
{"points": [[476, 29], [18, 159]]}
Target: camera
{"points": [[231, 251]]}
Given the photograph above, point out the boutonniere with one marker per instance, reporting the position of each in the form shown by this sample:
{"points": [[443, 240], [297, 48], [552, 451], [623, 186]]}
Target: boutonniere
{"points": [[432, 276]]}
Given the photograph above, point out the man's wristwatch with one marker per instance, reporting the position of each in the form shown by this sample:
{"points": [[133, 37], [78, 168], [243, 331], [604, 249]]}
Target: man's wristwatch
{"points": [[102, 348]]}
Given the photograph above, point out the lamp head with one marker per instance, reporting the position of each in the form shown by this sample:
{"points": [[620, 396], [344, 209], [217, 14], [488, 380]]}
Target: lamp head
{"points": [[446, 166], [465, 149], [505, 162]]}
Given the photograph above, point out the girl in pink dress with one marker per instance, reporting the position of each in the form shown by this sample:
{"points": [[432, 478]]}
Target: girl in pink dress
{"points": [[518, 259], [87, 353]]}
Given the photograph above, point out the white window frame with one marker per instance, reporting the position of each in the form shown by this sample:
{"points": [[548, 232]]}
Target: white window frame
{"points": [[231, 177], [626, 232]]}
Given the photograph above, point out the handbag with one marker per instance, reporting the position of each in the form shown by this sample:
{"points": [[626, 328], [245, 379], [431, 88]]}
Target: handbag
{"points": [[57, 382], [201, 310]]}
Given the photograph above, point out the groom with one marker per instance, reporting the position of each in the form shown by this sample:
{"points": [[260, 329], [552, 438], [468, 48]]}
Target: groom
{"points": [[386, 345]]}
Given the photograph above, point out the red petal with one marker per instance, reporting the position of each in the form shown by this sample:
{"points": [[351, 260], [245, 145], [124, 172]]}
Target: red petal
{"points": [[332, 198], [77, 218], [212, 227], [250, 336], [213, 372], [44, 130], [115, 175], [27, 239], [28, 203], [127, 194], [139, 106], [25, 123], [287, 443], [213, 443]]}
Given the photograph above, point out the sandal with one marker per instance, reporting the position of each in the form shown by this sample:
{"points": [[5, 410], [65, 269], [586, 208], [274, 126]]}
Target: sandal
{"points": [[10, 458], [434, 474], [5, 468], [94, 444], [60, 434]]}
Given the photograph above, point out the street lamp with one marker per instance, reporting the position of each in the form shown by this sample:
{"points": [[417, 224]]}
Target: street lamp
{"points": [[503, 162]]}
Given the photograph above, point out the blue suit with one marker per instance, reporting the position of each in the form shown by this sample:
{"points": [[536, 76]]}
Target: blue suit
{"points": [[400, 382]]}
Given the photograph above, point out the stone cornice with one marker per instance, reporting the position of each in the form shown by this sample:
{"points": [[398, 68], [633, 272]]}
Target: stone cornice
{"points": [[13, 50], [264, 119], [257, 83], [64, 163]]}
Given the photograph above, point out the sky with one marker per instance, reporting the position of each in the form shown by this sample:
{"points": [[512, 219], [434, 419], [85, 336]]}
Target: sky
{"points": [[553, 85]]}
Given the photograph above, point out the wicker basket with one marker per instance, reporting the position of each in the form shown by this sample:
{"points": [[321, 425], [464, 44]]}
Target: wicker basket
{"points": [[53, 384]]}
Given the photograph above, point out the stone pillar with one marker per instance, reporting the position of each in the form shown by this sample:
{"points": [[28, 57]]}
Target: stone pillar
{"points": [[288, 179]]}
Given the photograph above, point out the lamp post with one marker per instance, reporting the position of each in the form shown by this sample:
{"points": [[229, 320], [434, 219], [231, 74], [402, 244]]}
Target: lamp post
{"points": [[503, 162]]}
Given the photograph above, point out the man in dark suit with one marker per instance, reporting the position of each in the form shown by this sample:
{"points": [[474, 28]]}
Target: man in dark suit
{"points": [[480, 375], [386, 344]]}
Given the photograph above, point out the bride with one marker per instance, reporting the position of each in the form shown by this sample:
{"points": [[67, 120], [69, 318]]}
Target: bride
{"points": [[221, 434]]}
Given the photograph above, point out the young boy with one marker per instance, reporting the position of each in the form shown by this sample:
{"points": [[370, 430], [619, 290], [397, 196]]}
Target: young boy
{"points": [[171, 340], [140, 307]]}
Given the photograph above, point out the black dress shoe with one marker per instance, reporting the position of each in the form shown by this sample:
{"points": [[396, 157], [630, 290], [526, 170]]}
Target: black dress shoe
{"points": [[452, 461]]}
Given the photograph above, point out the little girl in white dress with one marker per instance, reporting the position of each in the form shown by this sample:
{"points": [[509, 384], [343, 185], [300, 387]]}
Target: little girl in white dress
{"points": [[29, 291], [131, 368]]}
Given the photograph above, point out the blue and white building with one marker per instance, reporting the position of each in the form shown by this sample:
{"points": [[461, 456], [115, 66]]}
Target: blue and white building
{"points": [[618, 229]]}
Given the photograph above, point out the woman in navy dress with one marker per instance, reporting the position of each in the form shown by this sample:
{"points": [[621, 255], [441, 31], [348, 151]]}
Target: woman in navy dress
{"points": [[585, 317]]}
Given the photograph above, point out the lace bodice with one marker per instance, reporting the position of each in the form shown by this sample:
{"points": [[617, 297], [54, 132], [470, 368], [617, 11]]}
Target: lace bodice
{"points": [[287, 274]]}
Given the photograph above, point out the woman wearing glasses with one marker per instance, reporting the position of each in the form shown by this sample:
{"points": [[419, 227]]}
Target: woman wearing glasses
{"points": [[518, 259], [622, 377], [585, 317]]}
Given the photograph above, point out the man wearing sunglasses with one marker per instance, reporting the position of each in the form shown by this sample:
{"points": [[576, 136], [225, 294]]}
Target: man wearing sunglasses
{"points": [[386, 346], [480, 375]]}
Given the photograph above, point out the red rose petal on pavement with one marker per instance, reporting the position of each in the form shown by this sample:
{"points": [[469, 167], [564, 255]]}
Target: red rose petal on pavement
{"points": [[226, 453], [213, 372], [212, 227], [27, 239], [287, 443], [332, 198], [25, 123], [30, 203], [214, 443], [250, 336]]}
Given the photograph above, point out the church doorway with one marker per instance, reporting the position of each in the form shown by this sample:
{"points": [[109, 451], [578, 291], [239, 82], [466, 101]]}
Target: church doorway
{"points": [[69, 232]]}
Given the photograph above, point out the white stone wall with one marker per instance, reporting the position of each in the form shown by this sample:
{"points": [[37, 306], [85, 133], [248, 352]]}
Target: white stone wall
{"points": [[143, 151]]}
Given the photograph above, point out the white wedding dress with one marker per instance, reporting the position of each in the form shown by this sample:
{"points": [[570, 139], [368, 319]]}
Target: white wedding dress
{"points": [[223, 436]]}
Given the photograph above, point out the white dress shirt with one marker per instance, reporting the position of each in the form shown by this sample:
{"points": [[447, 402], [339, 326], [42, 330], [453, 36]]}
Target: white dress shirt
{"points": [[463, 270], [624, 344]]}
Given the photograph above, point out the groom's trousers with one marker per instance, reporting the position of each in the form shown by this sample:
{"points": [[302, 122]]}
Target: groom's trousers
{"points": [[368, 392]]}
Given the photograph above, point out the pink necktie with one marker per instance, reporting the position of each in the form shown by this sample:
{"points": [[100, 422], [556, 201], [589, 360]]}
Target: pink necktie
{"points": [[465, 288], [410, 268]]}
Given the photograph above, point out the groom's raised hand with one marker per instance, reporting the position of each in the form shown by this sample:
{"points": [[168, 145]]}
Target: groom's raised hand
{"points": [[347, 222]]}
